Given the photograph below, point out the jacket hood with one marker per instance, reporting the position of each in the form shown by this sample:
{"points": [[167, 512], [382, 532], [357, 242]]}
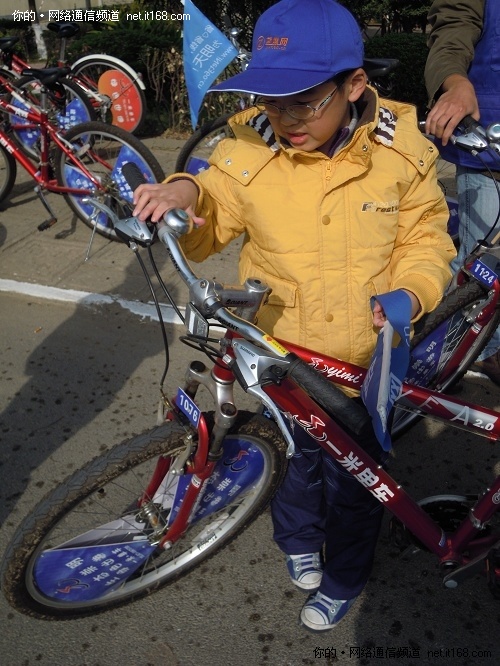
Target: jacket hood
{"points": [[381, 120]]}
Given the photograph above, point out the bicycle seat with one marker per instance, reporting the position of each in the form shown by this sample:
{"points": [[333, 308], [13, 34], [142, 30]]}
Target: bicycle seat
{"points": [[375, 67], [6, 43], [47, 77], [64, 28]]}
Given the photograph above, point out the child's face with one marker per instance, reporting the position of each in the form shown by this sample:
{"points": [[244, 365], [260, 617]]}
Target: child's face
{"points": [[316, 132]]}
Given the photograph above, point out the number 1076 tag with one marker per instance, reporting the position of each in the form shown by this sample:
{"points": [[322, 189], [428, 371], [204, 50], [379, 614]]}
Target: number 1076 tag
{"points": [[188, 407]]}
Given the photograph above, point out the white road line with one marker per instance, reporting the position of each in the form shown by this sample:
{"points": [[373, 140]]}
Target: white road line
{"points": [[88, 299]]}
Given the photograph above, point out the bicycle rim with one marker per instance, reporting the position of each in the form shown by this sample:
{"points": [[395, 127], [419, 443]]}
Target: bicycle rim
{"points": [[103, 150], [121, 100], [195, 153], [434, 346], [89, 546]]}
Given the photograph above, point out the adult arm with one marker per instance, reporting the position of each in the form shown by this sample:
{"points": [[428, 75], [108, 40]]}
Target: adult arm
{"points": [[455, 29]]}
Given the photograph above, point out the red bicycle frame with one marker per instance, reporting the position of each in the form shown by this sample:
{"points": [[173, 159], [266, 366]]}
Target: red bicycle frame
{"points": [[355, 460], [40, 172], [458, 549]]}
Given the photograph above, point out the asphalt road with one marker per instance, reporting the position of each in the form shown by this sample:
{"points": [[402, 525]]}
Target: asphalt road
{"points": [[78, 377]]}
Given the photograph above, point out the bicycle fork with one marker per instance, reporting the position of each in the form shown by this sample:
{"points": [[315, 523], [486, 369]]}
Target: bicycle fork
{"points": [[219, 383]]}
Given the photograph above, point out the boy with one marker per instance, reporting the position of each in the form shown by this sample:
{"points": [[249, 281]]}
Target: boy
{"points": [[337, 196]]}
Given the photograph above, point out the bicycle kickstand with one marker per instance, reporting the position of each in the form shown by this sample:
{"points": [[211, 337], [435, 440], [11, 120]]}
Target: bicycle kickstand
{"points": [[52, 219]]}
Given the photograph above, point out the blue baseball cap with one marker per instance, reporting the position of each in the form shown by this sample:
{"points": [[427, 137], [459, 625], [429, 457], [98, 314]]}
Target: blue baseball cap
{"points": [[298, 44]]}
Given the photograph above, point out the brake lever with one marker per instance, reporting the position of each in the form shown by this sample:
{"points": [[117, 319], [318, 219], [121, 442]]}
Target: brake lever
{"points": [[473, 138], [132, 230]]}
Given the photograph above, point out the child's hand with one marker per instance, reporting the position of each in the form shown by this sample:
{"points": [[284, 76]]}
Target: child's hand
{"points": [[379, 314], [153, 201]]}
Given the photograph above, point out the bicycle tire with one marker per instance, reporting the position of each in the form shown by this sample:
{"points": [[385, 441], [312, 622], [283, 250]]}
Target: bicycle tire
{"points": [[124, 102], [103, 149], [453, 309], [194, 154], [77, 110], [8, 171], [107, 488]]}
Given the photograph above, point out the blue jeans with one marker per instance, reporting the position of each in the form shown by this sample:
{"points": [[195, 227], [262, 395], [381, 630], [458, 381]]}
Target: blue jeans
{"points": [[478, 203]]}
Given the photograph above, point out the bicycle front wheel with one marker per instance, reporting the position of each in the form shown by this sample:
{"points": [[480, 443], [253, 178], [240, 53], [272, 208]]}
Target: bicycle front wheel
{"points": [[194, 154], [433, 362], [91, 545], [64, 113], [8, 170], [102, 150], [115, 89]]}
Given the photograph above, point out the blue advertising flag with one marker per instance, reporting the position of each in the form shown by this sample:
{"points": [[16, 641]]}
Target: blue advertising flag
{"points": [[206, 51], [390, 360]]}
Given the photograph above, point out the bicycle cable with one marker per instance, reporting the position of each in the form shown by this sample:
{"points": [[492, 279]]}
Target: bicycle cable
{"points": [[164, 287], [160, 316]]}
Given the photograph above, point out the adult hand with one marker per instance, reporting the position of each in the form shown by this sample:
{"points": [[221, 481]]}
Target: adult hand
{"points": [[457, 101], [153, 201]]}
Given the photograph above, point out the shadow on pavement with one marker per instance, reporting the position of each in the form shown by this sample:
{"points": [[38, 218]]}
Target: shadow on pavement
{"points": [[73, 372]]}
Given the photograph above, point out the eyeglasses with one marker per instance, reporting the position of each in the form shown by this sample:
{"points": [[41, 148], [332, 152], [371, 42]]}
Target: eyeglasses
{"points": [[296, 111]]}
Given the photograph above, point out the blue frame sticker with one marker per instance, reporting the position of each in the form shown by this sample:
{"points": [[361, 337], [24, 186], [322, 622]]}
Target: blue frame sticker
{"points": [[188, 407], [483, 273]]}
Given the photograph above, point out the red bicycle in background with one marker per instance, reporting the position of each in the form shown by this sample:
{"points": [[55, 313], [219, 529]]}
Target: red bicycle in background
{"points": [[84, 160], [114, 89]]}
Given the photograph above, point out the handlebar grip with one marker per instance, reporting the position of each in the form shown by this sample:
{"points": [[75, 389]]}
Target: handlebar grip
{"points": [[227, 22], [345, 410], [133, 175], [468, 124]]}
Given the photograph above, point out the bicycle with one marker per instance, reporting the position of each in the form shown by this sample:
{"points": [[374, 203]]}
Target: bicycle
{"points": [[115, 90], [85, 160], [153, 507], [65, 103]]}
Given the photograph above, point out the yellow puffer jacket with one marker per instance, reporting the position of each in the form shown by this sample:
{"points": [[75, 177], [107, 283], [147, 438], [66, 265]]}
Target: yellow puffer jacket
{"points": [[324, 233]]}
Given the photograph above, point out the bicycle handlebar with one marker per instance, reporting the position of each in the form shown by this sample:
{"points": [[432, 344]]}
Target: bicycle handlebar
{"points": [[211, 303], [211, 300], [473, 137]]}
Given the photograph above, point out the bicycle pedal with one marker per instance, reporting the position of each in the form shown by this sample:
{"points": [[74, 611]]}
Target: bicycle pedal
{"points": [[47, 224]]}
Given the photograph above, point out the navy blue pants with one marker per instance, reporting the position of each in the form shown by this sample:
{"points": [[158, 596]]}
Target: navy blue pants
{"points": [[320, 504]]}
